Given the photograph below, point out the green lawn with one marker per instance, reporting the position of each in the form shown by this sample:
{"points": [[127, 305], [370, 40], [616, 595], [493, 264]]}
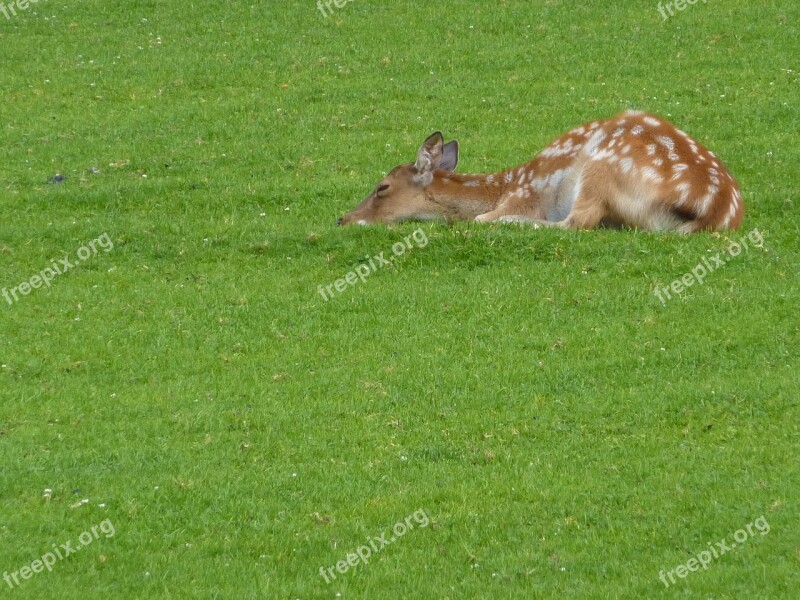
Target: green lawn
{"points": [[518, 402]]}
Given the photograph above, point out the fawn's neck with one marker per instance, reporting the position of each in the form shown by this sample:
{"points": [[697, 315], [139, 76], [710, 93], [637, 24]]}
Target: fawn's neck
{"points": [[467, 196]]}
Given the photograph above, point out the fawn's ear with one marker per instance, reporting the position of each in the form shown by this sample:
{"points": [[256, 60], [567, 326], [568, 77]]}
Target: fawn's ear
{"points": [[449, 156], [429, 158]]}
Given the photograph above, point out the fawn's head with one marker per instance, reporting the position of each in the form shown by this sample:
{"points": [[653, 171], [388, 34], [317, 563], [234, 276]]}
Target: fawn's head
{"points": [[403, 194]]}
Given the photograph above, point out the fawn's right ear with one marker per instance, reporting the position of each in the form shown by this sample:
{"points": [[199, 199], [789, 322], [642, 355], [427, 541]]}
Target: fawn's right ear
{"points": [[429, 158]]}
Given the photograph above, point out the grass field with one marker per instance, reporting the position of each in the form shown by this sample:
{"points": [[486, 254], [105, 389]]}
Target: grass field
{"points": [[517, 408]]}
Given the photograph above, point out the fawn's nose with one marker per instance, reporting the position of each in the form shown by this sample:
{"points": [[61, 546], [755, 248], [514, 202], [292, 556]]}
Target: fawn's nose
{"points": [[339, 221]]}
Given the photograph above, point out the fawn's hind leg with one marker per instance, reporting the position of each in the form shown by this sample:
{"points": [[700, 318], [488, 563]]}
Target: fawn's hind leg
{"points": [[594, 187]]}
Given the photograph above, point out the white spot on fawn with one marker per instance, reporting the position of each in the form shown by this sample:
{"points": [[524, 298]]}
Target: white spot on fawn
{"points": [[684, 189], [678, 170], [706, 203], [594, 142], [667, 142], [651, 174]]}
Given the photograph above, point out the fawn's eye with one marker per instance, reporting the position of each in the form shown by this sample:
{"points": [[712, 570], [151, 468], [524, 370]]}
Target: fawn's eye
{"points": [[382, 189]]}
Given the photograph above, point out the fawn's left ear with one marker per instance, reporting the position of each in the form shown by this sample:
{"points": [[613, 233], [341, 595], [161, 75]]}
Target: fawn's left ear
{"points": [[449, 156]]}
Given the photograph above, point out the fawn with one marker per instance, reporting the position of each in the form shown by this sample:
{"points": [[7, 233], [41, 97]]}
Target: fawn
{"points": [[634, 169]]}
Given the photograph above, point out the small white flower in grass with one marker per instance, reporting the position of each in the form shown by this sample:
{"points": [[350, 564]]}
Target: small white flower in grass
{"points": [[403, 457]]}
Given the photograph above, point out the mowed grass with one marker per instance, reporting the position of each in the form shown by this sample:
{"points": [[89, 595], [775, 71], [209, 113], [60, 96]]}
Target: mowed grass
{"points": [[565, 434]]}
